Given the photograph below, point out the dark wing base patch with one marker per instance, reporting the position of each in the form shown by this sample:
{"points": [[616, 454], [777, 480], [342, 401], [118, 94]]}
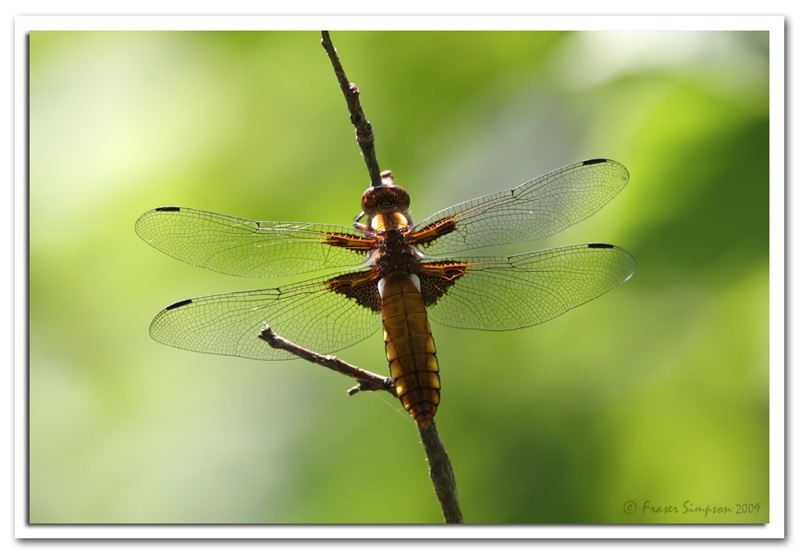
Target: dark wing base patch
{"points": [[361, 286]]}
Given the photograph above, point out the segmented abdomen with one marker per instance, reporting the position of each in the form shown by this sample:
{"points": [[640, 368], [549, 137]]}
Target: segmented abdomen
{"points": [[409, 346]]}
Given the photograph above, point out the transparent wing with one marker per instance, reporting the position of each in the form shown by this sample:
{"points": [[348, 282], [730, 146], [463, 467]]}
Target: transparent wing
{"points": [[309, 314], [531, 211], [504, 293], [237, 246]]}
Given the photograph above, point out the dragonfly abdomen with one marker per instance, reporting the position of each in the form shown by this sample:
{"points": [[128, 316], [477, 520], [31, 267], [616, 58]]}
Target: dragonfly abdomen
{"points": [[410, 349]]}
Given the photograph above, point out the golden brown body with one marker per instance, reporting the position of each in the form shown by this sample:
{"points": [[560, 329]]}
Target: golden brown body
{"points": [[410, 349]]}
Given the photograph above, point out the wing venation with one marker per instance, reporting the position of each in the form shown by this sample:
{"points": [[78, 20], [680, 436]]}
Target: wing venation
{"points": [[503, 293], [309, 314], [534, 210], [237, 246]]}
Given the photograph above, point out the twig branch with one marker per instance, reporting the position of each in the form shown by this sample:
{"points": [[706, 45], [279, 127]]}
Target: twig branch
{"points": [[364, 136], [441, 472], [365, 379]]}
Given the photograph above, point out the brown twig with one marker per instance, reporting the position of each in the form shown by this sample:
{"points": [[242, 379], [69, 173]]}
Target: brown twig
{"points": [[441, 472], [364, 136]]}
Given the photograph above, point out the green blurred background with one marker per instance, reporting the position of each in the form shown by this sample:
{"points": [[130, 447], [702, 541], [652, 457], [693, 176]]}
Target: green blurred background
{"points": [[656, 393]]}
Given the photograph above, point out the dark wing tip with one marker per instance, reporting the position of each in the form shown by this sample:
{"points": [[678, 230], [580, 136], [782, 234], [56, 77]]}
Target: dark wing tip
{"points": [[612, 165], [141, 225], [624, 260], [178, 304]]}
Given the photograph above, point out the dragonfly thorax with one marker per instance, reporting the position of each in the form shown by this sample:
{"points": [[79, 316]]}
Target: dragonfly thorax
{"points": [[392, 221], [395, 254]]}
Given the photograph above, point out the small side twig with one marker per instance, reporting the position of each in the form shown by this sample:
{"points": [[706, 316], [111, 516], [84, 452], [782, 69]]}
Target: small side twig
{"points": [[364, 136], [366, 380], [440, 470]]}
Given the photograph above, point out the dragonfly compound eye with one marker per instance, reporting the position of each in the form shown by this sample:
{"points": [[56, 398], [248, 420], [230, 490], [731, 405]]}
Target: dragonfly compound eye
{"points": [[385, 199]]}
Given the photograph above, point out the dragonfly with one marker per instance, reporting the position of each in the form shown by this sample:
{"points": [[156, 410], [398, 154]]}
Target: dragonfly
{"points": [[393, 274]]}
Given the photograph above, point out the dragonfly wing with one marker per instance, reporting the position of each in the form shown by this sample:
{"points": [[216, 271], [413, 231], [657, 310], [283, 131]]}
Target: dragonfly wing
{"points": [[536, 209], [324, 315], [504, 293], [237, 246]]}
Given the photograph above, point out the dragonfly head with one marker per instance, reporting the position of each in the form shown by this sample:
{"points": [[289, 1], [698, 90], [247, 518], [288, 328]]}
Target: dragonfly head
{"points": [[385, 199]]}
